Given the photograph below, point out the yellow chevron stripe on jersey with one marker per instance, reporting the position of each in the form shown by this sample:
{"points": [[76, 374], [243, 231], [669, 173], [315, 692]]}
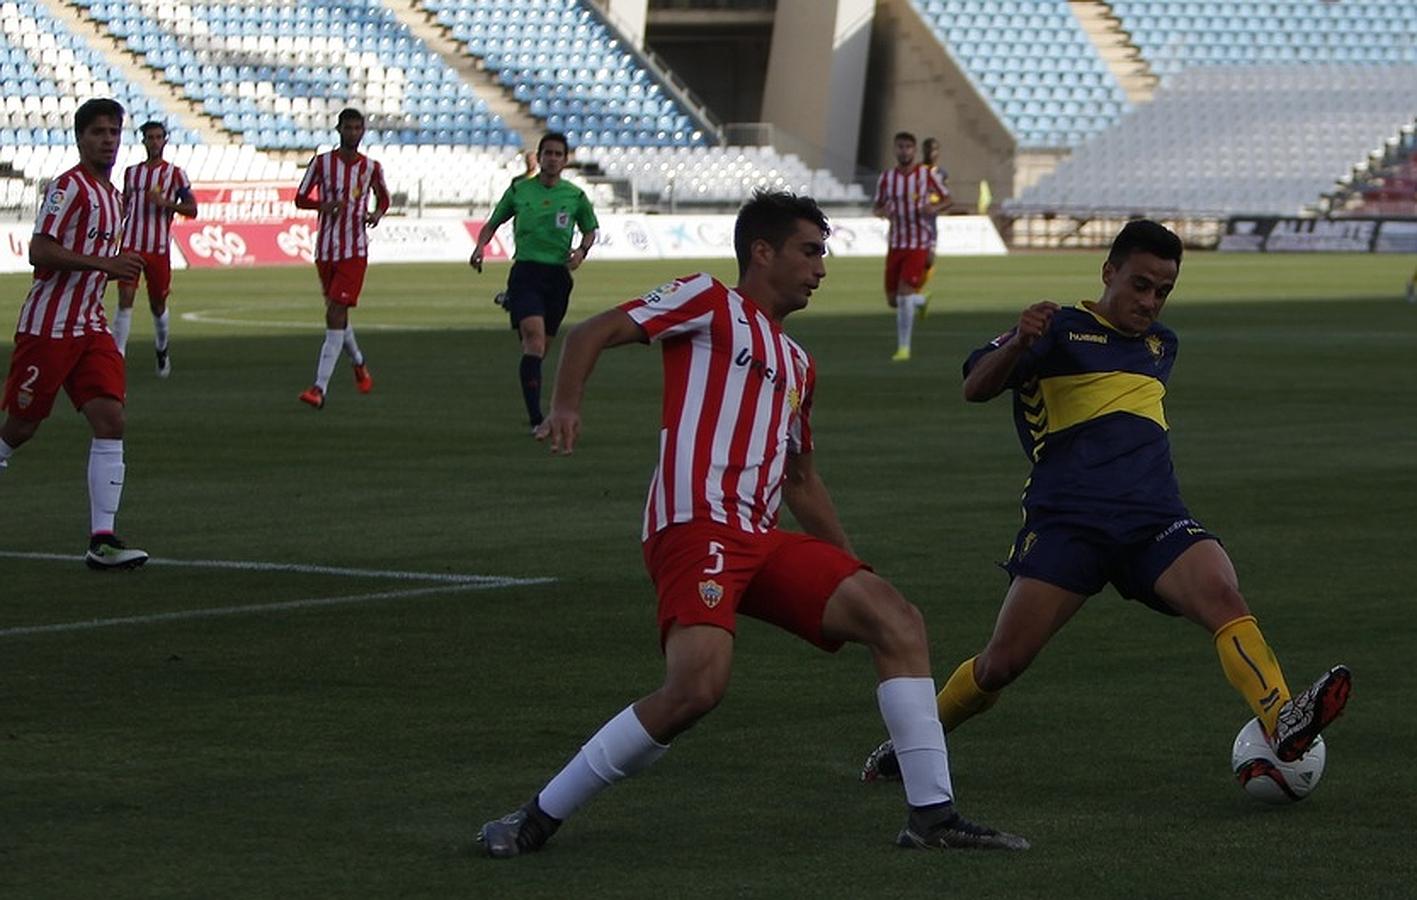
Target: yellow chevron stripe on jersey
{"points": [[1035, 412], [1074, 399]]}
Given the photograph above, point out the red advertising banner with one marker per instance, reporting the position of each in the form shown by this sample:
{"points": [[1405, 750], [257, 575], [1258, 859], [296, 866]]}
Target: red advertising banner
{"points": [[217, 245], [247, 201]]}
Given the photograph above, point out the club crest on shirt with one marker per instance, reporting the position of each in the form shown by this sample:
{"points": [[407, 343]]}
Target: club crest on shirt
{"points": [[563, 219], [794, 399], [1157, 348], [711, 592]]}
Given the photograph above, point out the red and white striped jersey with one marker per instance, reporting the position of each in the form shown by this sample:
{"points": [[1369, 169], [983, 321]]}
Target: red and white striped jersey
{"points": [[737, 400], [903, 193], [343, 234], [85, 216], [147, 226]]}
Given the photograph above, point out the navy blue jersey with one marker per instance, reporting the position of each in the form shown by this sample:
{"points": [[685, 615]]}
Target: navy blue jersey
{"points": [[1087, 406]]}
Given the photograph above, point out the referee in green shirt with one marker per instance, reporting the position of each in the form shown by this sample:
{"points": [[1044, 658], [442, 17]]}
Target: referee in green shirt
{"points": [[545, 211]]}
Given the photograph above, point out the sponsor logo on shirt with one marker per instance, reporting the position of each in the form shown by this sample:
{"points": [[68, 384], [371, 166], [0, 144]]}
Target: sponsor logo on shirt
{"points": [[745, 357], [1088, 337]]}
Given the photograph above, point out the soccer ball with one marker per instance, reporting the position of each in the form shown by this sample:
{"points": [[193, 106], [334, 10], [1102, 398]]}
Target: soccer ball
{"points": [[1264, 777]]}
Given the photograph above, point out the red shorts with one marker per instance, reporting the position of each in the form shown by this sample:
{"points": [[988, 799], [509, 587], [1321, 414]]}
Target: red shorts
{"points": [[905, 267], [342, 279], [705, 573], [85, 367], [157, 269]]}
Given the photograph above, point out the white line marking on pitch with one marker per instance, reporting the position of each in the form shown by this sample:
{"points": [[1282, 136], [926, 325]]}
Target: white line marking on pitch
{"points": [[214, 612], [296, 567], [448, 583]]}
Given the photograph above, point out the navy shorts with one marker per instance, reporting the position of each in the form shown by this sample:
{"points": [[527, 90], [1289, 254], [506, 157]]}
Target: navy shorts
{"points": [[538, 289], [1084, 560]]}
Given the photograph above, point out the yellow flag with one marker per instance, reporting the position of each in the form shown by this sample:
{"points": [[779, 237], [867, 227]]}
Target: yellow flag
{"points": [[986, 197]]}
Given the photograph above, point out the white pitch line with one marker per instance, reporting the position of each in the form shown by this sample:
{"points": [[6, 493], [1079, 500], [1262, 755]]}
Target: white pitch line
{"points": [[494, 580], [307, 603]]}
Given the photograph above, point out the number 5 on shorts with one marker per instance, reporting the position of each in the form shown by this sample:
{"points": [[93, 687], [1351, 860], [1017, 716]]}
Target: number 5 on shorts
{"points": [[715, 552]]}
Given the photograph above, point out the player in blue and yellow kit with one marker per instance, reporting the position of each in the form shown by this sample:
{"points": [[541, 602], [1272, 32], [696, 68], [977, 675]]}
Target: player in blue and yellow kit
{"points": [[1102, 504]]}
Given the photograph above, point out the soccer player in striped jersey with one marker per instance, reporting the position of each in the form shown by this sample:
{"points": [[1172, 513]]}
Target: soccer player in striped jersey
{"points": [[153, 191], [910, 195], [735, 443], [62, 339], [338, 184], [1102, 504]]}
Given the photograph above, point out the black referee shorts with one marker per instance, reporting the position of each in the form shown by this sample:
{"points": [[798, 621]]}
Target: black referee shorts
{"points": [[538, 289]]}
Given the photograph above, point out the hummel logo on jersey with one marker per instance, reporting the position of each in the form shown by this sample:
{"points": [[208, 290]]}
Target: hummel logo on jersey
{"points": [[745, 357]]}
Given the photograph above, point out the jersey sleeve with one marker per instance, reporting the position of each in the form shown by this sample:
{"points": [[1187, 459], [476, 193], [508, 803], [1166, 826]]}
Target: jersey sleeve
{"points": [[59, 201], [505, 207], [585, 216], [311, 179], [1027, 365], [880, 197], [182, 185], [681, 306]]}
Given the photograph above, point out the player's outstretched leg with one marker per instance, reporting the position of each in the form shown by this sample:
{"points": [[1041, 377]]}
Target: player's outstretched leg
{"points": [[1304, 717], [524, 830]]}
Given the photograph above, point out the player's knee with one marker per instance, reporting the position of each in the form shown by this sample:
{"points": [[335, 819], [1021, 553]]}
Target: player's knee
{"points": [[694, 699], [897, 625]]}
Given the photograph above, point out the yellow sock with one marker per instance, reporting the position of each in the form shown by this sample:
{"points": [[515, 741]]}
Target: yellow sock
{"points": [[1251, 669], [961, 698]]}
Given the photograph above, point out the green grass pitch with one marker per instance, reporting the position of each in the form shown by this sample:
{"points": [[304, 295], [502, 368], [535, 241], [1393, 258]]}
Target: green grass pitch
{"points": [[305, 749]]}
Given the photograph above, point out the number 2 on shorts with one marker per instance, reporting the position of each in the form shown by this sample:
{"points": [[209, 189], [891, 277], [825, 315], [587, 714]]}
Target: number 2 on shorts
{"points": [[28, 383]]}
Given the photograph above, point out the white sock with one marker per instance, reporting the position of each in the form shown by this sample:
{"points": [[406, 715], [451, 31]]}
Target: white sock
{"points": [[6, 451], [105, 483], [908, 706], [351, 346], [618, 750], [122, 324], [916, 301], [329, 355], [904, 320], [160, 331]]}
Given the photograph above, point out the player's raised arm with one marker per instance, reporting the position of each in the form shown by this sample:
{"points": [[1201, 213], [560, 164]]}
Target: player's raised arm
{"points": [[990, 374], [578, 356]]}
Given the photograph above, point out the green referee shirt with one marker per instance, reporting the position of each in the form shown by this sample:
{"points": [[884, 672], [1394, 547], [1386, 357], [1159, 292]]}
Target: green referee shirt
{"points": [[544, 217]]}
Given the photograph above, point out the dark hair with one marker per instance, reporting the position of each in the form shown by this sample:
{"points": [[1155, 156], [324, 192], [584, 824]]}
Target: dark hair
{"points": [[1148, 237], [904, 136], [928, 145], [771, 216], [349, 114], [150, 125], [557, 136], [93, 109]]}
